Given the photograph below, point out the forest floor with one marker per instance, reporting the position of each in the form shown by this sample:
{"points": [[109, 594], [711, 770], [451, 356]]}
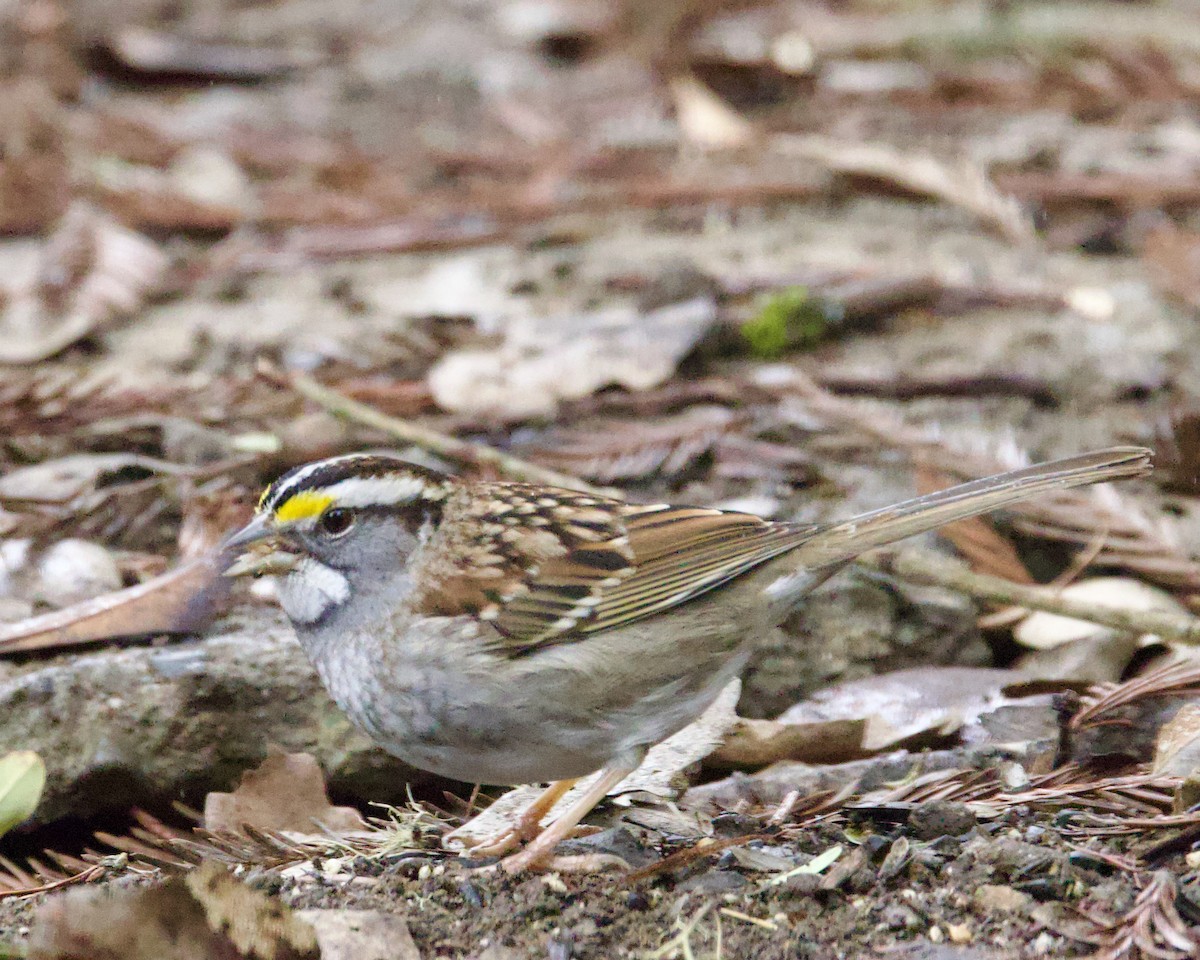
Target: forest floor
{"points": [[799, 260]]}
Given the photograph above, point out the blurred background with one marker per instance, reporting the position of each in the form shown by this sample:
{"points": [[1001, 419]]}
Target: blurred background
{"points": [[795, 258]]}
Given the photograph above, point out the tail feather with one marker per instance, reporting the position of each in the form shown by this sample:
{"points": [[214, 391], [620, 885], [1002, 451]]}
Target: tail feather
{"points": [[839, 542]]}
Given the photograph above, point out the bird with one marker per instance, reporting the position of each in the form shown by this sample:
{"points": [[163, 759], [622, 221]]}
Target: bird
{"points": [[510, 633]]}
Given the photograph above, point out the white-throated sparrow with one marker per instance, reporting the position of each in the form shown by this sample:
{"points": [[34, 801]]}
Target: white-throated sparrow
{"points": [[511, 633]]}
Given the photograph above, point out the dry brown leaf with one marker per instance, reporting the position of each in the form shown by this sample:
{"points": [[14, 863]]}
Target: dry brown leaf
{"points": [[860, 718], [286, 792], [201, 916], [158, 54], [1101, 657], [752, 744], [544, 360], [90, 271], [64, 479], [180, 601]]}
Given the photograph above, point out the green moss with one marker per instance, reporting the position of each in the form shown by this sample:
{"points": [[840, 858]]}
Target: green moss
{"points": [[790, 319]]}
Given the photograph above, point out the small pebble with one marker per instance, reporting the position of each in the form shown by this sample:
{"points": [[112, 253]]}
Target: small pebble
{"points": [[959, 933], [896, 916], [734, 825], [995, 898], [713, 881], [802, 883], [941, 818]]}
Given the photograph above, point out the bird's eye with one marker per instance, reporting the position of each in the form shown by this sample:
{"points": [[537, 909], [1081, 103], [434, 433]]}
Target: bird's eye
{"points": [[335, 522]]}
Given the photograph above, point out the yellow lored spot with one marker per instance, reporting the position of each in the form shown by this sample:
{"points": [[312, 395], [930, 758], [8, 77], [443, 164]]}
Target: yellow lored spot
{"points": [[302, 506]]}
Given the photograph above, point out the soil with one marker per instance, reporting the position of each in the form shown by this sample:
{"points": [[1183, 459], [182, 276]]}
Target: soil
{"points": [[934, 898]]}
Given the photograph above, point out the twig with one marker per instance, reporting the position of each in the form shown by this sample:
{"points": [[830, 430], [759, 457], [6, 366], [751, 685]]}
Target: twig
{"points": [[908, 387], [463, 451], [680, 858], [927, 569]]}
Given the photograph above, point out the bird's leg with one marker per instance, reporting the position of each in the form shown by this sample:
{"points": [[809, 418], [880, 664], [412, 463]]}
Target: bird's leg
{"points": [[541, 850], [528, 824]]}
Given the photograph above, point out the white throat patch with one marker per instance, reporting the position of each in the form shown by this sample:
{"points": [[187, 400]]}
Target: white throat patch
{"points": [[311, 590]]}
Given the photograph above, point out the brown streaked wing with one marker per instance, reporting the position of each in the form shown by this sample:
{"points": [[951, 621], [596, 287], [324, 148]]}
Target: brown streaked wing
{"points": [[683, 552], [678, 553], [551, 566], [526, 559]]}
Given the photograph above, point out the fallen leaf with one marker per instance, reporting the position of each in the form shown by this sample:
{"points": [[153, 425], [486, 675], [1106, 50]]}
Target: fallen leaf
{"points": [[91, 270], [906, 703], [63, 479], [159, 55], [1042, 630], [201, 916], [858, 719], [752, 744], [1177, 750], [1099, 658], [22, 777], [182, 600], [361, 935], [544, 360], [705, 119], [286, 792]]}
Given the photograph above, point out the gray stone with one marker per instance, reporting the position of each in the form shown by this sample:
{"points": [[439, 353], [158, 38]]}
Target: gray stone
{"points": [[146, 725], [855, 626]]}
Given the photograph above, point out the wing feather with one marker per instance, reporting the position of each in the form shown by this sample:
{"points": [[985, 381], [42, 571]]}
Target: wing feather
{"points": [[547, 566]]}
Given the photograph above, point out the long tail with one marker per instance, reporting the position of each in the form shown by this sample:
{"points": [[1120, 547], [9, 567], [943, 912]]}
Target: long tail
{"points": [[842, 541]]}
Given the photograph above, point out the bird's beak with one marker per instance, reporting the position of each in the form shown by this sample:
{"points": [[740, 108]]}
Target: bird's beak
{"points": [[257, 550]]}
